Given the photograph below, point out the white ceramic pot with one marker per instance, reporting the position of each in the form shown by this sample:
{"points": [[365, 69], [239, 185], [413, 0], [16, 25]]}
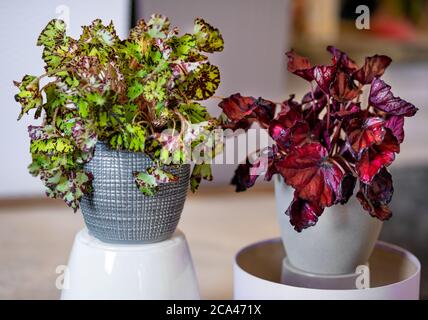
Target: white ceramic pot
{"points": [[342, 239]]}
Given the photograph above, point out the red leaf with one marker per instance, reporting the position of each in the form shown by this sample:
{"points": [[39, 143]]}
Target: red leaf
{"points": [[343, 88], [303, 214], [264, 111], [314, 176], [346, 188], [243, 179], [237, 107], [324, 76], [280, 127], [396, 125], [382, 99], [299, 66], [374, 197], [377, 157], [246, 174], [342, 60], [351, 110], [364, 134], [374, 67]]}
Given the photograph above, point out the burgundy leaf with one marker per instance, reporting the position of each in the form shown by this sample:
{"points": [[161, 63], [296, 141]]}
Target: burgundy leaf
{"points": [[342, 60], [374, 197], [264, 111], [246, 174], [237, 107], [314, 176], [377, 157], [244, 124], [242, 178], [303, 214], [383, 99], [281, 134], [396, 125], [316, 100], [324, 76], [346, 188], [374, 67], [365, 133], [299, 66], [351, 110], [280, 127], [343, 88]]}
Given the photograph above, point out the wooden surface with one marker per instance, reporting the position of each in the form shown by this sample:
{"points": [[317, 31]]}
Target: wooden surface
{"points": [[36, 236]]}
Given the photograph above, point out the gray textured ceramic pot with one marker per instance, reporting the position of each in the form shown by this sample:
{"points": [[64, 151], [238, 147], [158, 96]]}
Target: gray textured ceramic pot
{"points": [[116, 211], [342, 239]]}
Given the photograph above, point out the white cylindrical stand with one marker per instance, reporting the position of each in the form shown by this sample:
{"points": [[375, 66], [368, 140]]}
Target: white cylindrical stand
{"points": [[98, 270], [394, 274]]}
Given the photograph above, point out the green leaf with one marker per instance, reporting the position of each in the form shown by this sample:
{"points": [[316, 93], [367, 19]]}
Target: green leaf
{"points": [[82, 105], [182, 46], [53, 34], [158, 26], [96, 99], [200, 171], [208, 38], [133, 138], [148, 182], [58, 48], [135, 90], [29, 95], [203, 82], [194, 112], [99, 34]]}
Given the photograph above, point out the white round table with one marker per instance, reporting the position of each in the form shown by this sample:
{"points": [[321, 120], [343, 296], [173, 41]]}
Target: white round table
{"points": [[98, 270]]}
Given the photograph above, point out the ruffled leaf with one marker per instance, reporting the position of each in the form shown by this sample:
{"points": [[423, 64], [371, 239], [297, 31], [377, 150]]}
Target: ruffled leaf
{"points": [[396, 125], [383, 99], [300, 66], [203, 82], [374, 67], [208, 38], [158, 26], [364, 133], [314, 176], [303, 214], [149, 182], [53, 34], [237, 107], [29, 95], [324, 76], [42, 132], [351, 111], [199, 172], [342, 61], [377, 157], [343, 88], [374, 197]]}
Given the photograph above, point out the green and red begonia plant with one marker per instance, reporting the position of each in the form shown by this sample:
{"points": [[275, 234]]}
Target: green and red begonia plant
{"points": [[124, 93]]}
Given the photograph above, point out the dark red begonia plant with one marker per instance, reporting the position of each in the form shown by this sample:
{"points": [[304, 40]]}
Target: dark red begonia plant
{"points": [[330, 139]]}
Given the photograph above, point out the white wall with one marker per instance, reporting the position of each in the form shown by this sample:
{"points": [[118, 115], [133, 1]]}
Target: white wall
{"points": [[20, 24]]}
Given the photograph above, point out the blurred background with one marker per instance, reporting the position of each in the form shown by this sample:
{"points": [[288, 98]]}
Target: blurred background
{"points": [[36, 233]]}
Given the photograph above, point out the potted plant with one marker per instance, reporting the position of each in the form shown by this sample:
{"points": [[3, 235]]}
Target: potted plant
{"points": [[120, 119], [322, 146]]}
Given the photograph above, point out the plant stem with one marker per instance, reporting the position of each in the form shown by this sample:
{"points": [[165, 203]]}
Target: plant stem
{"points": [[328, 113]]}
